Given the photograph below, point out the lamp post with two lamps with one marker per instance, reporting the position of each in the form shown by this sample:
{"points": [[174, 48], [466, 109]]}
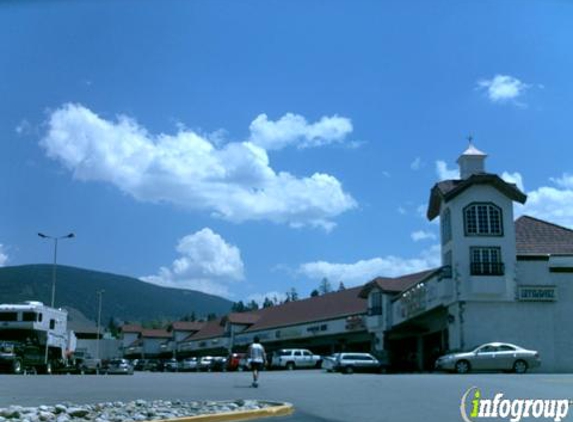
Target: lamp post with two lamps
{"points": [[52, 303]]}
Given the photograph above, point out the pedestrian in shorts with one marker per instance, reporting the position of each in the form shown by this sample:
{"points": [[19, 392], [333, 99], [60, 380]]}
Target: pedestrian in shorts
{"points": [[257, 358]]}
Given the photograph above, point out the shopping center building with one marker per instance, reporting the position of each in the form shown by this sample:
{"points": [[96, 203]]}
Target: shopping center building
{"points": [[500, 280]]}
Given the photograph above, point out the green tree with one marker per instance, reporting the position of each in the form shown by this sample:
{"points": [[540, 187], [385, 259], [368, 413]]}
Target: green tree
{"points": [[314, 293], [267, 303], [291, 295], [341, 286], [253, 305], [325, 286], [238, 307]]}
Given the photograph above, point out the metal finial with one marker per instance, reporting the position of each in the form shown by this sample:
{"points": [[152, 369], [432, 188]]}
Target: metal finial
{"points": [[470, 139]]}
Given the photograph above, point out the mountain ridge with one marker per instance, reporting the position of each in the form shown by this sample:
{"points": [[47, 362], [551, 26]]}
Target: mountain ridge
{"points": [[125, 298]]}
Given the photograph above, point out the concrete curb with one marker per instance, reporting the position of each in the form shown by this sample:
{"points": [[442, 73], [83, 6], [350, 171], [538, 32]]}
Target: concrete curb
{"points": [[277, 409]]}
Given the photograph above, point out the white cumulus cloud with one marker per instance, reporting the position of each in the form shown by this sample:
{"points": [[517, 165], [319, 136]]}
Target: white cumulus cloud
{"points": [[514, 178], [564, 182], [422, 235], [416, 164], [551, 203], [234, 181], [503, 88], [444, 173], [274, 296], [206, 263], [363, 271], [293, 129], [3, 255]]}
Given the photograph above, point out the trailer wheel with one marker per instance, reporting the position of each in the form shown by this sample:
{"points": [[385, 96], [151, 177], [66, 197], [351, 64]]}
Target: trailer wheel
{"points": [[16, 366], [45, 369]]}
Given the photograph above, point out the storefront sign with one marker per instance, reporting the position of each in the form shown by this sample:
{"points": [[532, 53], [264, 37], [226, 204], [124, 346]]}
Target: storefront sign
{"points": [[414, 301], [288, 333], [537, 294], [355, 322]]}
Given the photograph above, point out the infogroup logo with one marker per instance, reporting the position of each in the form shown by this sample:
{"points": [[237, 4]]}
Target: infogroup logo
{"points": [[474, 407]]}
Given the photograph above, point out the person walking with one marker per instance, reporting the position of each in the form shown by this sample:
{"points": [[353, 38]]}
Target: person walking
{"points": [[257, 358]]}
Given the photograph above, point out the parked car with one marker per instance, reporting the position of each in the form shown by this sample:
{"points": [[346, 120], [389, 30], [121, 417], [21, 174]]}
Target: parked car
{"points": [[146, 365], [119, 366], [490, 357], [236, 362], [168, 365], [328, 362], [295, 358], [188, 364], [218, 363], [204, 363], [349, 363]]}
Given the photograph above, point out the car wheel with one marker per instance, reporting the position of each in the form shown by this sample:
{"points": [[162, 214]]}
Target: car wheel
{"points": [[463, 367], [520, 367], [348, 370], [16, 367], [290, 366]]}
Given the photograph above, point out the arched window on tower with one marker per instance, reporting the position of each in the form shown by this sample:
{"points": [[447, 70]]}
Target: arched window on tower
{"points": [[483, 219]]}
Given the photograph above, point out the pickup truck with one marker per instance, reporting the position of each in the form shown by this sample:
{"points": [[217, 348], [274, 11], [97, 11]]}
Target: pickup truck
{"points": [[17, 358], [295, 358], [87, 364]]}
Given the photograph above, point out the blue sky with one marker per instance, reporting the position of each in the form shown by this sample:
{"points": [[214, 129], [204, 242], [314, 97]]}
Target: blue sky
{"points": [[244, 148]]}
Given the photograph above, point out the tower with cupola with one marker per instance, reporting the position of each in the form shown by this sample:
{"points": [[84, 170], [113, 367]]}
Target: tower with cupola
{"points": [[477, 230]]}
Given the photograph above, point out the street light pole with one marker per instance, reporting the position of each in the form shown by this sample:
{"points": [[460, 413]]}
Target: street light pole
{"points": [[100, 294], [52, 303], [55, 239]]}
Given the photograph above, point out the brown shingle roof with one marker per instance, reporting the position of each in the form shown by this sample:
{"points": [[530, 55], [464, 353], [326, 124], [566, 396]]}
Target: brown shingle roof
{"points": [[132, 328], [449, 189], [534, 236], [331, 305], [244, 318], [156, 334], [187, 325], [210, 329], [397, 284]]}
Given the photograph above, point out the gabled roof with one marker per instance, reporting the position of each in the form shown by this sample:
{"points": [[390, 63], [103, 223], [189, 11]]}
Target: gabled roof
{"points": [[210, 329], [329, 306], [132, 328], [187, 325], [397, 284], [449, 189], [538, 237], [155, 334]]}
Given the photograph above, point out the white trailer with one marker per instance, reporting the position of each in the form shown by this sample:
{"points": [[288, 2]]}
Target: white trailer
{"points": [[33, 325]]}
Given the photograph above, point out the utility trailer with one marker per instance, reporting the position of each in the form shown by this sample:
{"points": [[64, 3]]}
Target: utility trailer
{"points": [[35, 337]]}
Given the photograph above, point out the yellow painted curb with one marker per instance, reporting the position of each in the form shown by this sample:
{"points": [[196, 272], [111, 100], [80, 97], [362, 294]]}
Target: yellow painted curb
{"points": [[281, 409]]}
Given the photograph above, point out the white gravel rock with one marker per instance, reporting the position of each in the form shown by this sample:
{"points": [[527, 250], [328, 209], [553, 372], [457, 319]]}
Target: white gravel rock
{"points": [[133, 411]]}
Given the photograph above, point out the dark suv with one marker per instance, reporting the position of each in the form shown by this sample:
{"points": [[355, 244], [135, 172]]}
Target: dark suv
{"points": [[16, 358]]}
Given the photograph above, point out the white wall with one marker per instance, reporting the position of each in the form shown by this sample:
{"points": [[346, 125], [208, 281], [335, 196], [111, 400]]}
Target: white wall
{"points": [[481, 287], [541, 326]]}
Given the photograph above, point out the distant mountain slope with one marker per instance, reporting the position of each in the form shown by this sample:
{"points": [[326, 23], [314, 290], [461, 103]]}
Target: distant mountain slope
{"points": [[126, 298]]}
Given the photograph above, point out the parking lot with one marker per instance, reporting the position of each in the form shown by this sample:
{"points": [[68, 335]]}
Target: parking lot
{"points": [[316, 395]]}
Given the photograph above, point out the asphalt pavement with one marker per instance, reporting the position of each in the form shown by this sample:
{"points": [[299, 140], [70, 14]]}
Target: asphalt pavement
{"points": [[317, 396]]}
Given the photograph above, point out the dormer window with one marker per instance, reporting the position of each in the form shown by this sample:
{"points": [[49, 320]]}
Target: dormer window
{"points": [[483, 219]]}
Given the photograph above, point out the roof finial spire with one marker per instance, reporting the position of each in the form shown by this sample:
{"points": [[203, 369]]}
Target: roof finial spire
{"points": [[470, 139]]}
